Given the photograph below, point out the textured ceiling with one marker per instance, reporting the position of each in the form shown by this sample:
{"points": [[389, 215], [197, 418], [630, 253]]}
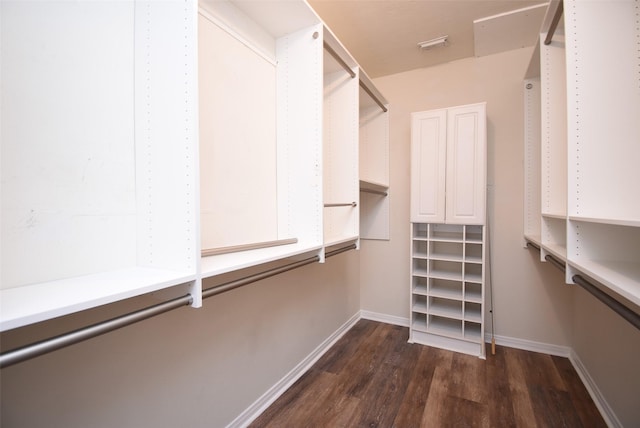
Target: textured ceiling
{"points": [[382, 35]]}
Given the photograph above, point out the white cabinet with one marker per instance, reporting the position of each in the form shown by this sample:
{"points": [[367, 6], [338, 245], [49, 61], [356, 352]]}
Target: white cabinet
{"points": [[447, 287], [448, 165]]}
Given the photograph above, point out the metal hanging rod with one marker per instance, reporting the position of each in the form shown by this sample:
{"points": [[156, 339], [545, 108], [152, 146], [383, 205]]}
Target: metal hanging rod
{"points": [[371, 94], [554, 23], [375, 192], [345, 204], [340, 61], [614, 304], [53, 344], [619, 308], [58, 342]]}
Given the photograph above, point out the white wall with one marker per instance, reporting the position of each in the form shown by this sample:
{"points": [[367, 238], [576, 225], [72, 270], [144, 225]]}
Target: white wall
{"points": [[187, 368], [526, 303]]}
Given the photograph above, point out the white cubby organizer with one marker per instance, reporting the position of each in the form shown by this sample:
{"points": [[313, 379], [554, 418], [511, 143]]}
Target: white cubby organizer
{"points": [[149, 144], [447, 286], [448, 215], [588, 216]]}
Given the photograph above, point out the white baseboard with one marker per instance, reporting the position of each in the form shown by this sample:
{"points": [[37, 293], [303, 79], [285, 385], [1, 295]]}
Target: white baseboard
{"points": [[530, 345], [262, 403], [601, 403], [388, 319]]}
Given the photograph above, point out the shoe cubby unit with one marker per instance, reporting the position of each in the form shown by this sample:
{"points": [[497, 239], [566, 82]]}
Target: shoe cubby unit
{"points": [[151, 144], [589, 215], [447, 287], [99, 154], [373, 161]]}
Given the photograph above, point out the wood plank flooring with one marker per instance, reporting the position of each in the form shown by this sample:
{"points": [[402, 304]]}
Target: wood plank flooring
{"points": [[373, 378]]}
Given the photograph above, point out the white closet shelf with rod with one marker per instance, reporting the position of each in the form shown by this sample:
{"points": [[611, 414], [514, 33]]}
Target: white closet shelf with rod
{"points": [[67, 339], [611, 301]]}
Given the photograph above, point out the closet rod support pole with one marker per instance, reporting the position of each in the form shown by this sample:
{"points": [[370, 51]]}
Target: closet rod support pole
{"points": [[371, 94], [340, 61]]}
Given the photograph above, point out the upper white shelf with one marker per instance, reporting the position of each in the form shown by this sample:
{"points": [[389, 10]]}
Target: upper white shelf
{"points": [[610, 221]]}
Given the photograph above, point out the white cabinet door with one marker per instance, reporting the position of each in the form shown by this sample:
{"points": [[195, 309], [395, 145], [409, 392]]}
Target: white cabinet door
{"points": [[448, 165], [428, 161], [466, 165]]}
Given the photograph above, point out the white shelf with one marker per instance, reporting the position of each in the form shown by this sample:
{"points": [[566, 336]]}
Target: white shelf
{"points": [[420, 307], [443, 274], [472, 277], [621, 277], [557, 250], [29, 304], [446, 309], [446, 327], [609, 221], [559, 216], [373, 186], [535, 239], [224, 263]]}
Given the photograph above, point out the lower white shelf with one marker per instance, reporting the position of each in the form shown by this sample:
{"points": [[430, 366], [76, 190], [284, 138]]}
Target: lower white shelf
{"points": [[621, 277], [29, 304]]}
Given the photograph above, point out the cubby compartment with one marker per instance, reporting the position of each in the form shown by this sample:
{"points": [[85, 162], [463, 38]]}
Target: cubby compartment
{"points": [[446, 232], [419, 304], [473, 332], [445, 270], [445, 326], [473, 292], [447, 251], [473, 253], [419, 285], [473, 312], [473, 273], [420, 249], [445, 289], [420, 267], [473, 234], [445, 307], [420, 231]]}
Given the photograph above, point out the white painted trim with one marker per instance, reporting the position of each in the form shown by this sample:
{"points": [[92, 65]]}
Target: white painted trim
{"points": [[272, 394], [530, 345], [388, 319], [606, 411]]}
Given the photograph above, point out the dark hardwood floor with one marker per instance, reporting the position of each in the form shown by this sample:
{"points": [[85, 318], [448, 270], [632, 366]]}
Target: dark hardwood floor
{"points": [[373, 378]]}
